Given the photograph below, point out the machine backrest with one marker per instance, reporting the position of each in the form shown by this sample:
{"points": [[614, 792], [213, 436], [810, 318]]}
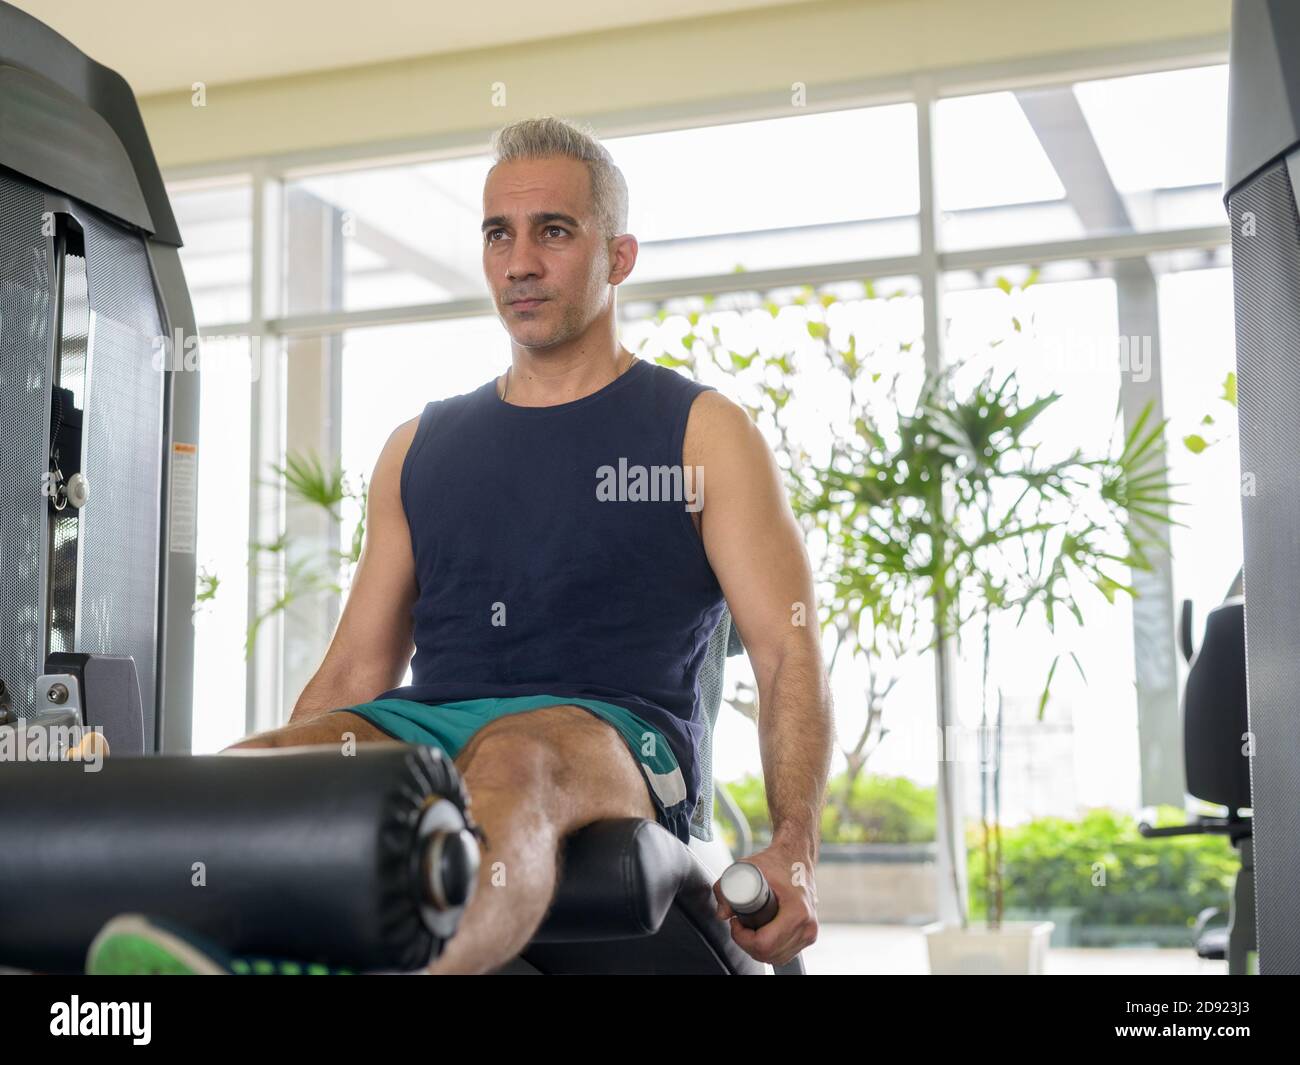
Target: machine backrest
{"points": [[724, 642], [1215, 721]]}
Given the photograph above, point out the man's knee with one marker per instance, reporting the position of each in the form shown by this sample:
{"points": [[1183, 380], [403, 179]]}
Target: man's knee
{"points": [[524, 759], [564, 759]]}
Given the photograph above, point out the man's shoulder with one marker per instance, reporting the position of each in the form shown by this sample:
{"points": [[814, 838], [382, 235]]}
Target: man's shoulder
{"points": [[716, 424], [718, 416], [442, 410]]}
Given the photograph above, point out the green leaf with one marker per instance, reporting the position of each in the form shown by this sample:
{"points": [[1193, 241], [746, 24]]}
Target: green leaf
{"points": [[1195, 443], [306, 478], [1079, 666], [1047, 687], [1108, 586], [207, 583], [1004, 285], [671, 361], [1230, 387]]}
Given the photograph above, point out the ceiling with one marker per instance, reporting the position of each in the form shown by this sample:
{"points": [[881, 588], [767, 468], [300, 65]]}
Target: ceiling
{"points": [[162, 45]]}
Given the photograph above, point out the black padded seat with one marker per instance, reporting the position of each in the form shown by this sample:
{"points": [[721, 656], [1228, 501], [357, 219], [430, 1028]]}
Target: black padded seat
{"points": [[634, 900]]}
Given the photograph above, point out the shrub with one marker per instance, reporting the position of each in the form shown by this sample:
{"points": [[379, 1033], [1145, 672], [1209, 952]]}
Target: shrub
{"points": [[1101, 865]]}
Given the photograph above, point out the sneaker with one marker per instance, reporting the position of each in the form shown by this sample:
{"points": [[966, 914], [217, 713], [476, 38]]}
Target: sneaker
{"points": [[136, 945]]}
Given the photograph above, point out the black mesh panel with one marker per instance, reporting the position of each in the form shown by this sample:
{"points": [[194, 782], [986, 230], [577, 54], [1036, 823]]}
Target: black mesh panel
{"points": [[1266, 288], [25, 348], [120, 527]]}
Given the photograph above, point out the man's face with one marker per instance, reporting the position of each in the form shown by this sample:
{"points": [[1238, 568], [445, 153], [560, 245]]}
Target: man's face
{"points": [[541, 240]]}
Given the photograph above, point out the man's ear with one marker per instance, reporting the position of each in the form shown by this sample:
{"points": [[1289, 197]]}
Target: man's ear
{"points": [[622, 257]]}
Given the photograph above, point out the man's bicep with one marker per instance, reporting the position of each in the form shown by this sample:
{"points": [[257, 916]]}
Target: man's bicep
{"points": [[753, 541]]}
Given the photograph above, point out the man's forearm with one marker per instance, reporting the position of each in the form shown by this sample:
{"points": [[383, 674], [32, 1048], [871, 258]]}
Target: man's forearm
{"points": [[796, 735]]}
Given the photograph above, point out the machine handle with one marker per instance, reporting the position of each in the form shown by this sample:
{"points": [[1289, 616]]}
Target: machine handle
{"points": [[748, 893], [1185, 630]]}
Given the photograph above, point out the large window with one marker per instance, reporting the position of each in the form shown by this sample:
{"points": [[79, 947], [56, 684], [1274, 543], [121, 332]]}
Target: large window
{"points": [[802, 191], [216, 224], [1197, 346], [1058, 336], [1096, 158], [402, 234], [221, 614]]}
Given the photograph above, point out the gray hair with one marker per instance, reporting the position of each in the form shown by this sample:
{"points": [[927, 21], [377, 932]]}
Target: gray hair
{"points": [[546, 137]]}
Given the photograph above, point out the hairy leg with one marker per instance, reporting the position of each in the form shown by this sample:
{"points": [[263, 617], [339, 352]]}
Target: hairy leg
{"points": [[533, 778], [326, 729]]}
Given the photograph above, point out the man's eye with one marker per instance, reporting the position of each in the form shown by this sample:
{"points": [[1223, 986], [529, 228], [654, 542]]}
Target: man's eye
{"points": [[548, 230]]}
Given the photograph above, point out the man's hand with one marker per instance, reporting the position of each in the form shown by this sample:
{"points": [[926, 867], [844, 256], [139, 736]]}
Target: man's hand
{"points": [[789, 873]]}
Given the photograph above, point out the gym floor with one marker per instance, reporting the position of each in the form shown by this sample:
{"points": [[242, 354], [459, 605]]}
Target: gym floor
{"points": [[899, 950]]}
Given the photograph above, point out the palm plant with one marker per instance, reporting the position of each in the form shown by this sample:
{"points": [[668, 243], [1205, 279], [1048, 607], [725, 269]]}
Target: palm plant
{"points": [[935, 508], [953, 519], [322, 571]]}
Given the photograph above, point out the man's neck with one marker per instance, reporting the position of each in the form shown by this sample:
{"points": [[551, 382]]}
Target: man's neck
{"points": [[537, 382]]}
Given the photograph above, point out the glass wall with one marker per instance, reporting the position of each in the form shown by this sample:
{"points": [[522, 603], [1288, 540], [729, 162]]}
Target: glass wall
{"points": [[216, 224], [825, 188], [1056, 332], [383, 237], [221, 613], [1097, 158], [1198, 358]]}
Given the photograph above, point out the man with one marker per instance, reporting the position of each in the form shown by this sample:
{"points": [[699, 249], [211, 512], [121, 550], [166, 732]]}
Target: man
{"points": [[558, 606]]}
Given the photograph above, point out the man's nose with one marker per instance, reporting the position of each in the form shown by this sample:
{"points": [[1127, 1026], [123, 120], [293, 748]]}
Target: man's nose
{"points": [[522, 261]]}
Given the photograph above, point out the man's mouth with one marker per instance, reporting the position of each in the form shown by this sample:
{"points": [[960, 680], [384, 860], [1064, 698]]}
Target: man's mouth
{"points": [[526, 305]]}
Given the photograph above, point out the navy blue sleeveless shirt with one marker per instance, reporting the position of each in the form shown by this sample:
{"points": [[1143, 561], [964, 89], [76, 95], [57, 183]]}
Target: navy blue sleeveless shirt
{"points": [[555, 553]]}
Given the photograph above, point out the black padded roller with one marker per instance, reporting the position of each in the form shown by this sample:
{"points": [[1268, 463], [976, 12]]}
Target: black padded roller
{"points": [[301, 853]]}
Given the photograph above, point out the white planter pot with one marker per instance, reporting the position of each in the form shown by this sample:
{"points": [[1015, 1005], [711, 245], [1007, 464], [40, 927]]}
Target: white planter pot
{"points": [[1017, 948]]}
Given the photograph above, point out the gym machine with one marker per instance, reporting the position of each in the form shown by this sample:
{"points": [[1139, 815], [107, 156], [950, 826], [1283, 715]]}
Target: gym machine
{"points": [[1260, 192], [364, 862]]}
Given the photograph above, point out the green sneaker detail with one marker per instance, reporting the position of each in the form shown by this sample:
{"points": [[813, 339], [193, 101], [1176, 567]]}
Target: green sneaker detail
{"points": [[131, 954], [136, 945]]}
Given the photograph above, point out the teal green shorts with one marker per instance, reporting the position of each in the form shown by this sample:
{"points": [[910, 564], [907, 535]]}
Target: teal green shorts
{"points": [[450, 726]]}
